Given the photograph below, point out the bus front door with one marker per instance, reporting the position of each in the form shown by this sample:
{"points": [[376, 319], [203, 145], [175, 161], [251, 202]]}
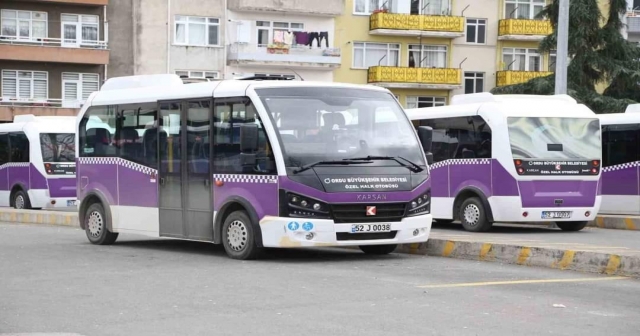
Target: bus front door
{"points": [[185, 198]]}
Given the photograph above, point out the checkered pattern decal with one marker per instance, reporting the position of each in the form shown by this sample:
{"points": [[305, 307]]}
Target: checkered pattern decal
{"points": [[15, 164], [117, 161], [621, 166], [246, 178], [460, 162]]}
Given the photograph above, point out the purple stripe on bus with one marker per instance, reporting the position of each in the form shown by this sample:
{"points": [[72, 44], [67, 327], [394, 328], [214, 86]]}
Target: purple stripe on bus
{"points": [[440, 184], [61, 187], [137, 188], [354, 197], [102, 177], [622, 181], [19, 175], [503, 183], [39, 181], [476, 175], [262, 196], [542, 194]]}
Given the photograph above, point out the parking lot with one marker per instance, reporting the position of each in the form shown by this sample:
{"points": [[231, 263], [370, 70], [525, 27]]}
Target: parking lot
{"points": [[54, 281]]}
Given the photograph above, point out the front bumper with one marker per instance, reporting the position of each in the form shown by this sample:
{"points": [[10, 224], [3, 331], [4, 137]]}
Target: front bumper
{"points": [[276, 232]]}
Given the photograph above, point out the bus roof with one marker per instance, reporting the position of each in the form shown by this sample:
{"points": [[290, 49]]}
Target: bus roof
{"points": [[619, 118], [140, 89], [42, 124], [504, 106]]}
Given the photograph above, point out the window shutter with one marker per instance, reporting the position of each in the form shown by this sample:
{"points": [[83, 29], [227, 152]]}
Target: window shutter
{"points": [[70, 91], [9, 84], [70, 76], [40, 89], [90, 84]]}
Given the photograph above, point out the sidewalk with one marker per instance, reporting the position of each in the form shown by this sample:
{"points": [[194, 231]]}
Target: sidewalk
{"points": [[618, 222]]}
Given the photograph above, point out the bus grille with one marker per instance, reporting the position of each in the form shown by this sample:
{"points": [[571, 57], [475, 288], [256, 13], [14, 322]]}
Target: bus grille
{"points": [[342, 236], [357, 213]]}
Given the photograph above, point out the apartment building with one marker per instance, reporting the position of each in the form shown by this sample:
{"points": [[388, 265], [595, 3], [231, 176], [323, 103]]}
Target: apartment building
{"points": [[286, 38], [632, 29], [425, 51], [53, 54]]}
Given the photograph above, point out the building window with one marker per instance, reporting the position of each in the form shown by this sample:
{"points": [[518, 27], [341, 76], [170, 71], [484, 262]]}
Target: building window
{"points": [[473, 82], [197, 74], [79, 29], [25, 84], [552, 61], [273, 32], [366, 7], [197, 31], [430, 7], [76, 87], [427, 56], [25, 25], [521, 59], [476, 31], [420, 102], [523, 9], [367, 54]]}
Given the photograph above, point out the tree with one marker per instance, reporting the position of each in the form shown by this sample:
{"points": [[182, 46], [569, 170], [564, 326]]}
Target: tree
{"points": [[599, 54]]}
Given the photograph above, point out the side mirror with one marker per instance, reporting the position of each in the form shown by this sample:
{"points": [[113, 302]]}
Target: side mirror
{"points": [[425, 134], [429, 156], [248, 138]]}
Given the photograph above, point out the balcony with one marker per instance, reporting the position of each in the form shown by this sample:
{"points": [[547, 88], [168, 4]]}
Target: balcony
{"points": [[415, 78], [53, 50], [510, 77], [392, 24], [320, 8], [633, 24], [523, 30], [11, 107], [284, 56]]}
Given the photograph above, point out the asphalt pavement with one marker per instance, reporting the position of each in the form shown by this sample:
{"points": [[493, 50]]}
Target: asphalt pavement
{"points": [[53, 281]]}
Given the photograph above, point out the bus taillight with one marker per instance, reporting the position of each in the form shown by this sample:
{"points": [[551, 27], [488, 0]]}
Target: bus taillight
{"points": [[596, 163], [518, 163], [520, 170]]}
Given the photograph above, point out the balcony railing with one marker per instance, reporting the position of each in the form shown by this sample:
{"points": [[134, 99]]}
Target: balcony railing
{"points": [[419, 76], [510, 77], [520, 27], [423, 23], [51, 42], [281, 55]]}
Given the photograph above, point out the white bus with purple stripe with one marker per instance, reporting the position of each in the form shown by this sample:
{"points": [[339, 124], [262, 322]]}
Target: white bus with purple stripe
{"points": [[621, 162], [513, 159], [37, 163], [252, 164]]}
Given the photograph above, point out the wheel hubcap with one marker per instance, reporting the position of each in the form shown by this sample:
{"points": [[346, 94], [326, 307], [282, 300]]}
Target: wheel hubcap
{"points": [[472, 214], [237, 235], [95, 224], [19, 202]]}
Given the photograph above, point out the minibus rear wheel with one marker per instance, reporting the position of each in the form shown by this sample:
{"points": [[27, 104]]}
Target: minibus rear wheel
{"points": [[378, 249], [572, 226], [21, 200], [473, 216], [95, 226]]}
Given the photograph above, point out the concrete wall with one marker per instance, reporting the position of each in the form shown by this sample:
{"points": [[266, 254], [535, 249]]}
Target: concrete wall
{"points": [[326, 7], [479, 57], [150, 36], [120, 19]]}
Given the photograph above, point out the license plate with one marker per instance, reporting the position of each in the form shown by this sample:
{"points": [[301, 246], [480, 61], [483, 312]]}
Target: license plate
{"points": [[366, 228], [71, 203], [556, 214]]}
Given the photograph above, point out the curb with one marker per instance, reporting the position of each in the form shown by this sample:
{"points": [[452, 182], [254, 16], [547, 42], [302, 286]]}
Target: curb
{"points": [[39, 217], [616, 222], [581, 261]]}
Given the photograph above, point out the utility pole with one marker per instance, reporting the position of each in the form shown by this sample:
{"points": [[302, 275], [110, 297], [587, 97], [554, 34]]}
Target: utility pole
{"points": [[562, 48]]}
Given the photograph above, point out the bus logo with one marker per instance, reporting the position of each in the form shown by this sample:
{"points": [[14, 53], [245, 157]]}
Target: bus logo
{"points": [[371, 210], [558, 167]]}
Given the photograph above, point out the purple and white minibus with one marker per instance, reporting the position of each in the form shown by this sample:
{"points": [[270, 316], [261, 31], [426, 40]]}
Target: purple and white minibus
{"points": [[513, 159], [252, 164], [621, 162], [37, 163]]}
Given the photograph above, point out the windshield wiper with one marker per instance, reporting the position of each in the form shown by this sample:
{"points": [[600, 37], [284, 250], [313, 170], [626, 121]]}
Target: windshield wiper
{"points": [[320, 163], [411, 165]]}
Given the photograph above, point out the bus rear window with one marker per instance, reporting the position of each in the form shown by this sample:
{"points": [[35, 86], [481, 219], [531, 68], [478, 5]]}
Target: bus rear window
{"points": [[58, 147]]}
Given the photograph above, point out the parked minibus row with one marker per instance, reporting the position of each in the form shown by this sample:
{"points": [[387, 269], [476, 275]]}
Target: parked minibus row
{"points": [[257, 163]]}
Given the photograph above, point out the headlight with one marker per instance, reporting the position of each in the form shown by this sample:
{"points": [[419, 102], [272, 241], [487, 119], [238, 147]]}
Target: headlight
{"points": [[421, 205], [302, 206]]}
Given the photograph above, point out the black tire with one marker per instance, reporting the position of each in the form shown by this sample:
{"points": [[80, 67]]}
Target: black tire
{"points": [[473, 216], [95, 226], [444, 221], [572, 226], [378, 249], [238, 237], [21, 200]]}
